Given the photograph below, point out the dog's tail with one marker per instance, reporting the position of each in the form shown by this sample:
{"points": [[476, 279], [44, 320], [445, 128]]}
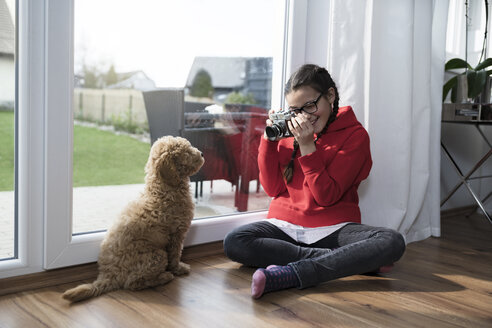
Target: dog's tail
{"points": [[85, 291]]}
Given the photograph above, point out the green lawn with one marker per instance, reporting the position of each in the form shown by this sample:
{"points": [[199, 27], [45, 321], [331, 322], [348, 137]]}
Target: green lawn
{"points": [[100, 157], [6, 151]]}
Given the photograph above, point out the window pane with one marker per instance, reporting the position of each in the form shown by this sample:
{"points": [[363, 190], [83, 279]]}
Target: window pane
{"points": [[7, 137], [197, 69]]}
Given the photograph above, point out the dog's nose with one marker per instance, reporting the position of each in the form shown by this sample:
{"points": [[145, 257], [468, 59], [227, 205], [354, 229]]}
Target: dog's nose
{"points": [[201, 154]]}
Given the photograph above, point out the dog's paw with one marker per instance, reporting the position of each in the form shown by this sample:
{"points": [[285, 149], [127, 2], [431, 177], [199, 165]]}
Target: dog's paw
{"points": [[182, 269]]}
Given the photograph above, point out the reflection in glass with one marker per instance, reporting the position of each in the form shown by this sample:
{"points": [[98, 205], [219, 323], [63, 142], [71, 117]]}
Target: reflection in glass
{"points": [[190, 68], [7, 131]]}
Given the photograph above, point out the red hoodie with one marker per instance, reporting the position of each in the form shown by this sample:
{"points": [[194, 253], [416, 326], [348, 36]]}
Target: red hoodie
{"points": [[323, 190]]}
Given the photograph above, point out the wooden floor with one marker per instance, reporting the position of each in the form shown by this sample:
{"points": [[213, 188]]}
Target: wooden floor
{"points": [[439, 282]]}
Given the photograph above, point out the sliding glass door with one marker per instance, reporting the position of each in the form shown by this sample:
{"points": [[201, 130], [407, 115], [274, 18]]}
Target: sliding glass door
{"points": [[205, 68], [8, 219], [87, 86], [22, 110], [207, 71]]}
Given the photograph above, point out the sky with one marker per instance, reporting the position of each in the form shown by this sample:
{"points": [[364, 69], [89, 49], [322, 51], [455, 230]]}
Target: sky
{"points": [[162, 37]]}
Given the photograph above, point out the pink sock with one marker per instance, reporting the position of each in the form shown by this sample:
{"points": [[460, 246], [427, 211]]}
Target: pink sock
{"points": [[385, 268], [273, 278]]}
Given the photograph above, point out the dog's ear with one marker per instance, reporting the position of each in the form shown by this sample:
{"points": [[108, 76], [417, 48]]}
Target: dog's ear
{"points": [[168, 171]]}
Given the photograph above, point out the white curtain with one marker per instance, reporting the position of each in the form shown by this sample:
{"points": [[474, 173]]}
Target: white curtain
{"points": [[387, 58]]}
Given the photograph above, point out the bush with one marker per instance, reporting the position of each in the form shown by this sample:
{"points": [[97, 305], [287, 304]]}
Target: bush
{"points": [[125, 123], [7, 106], [202, 85], [240, 98]]}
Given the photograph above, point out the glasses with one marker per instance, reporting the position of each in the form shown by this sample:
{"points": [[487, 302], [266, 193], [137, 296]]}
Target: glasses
{"points": [[310, 107]]}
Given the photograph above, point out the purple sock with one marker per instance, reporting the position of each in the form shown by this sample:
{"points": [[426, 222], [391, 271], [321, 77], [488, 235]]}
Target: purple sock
{"points": [[273, 278]]}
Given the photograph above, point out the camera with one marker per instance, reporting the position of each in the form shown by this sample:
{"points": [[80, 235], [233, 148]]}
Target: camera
{"points": [[279, 128]]}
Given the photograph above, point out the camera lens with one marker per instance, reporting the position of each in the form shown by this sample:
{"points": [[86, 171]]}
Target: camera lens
{"points": [[273, 132]]}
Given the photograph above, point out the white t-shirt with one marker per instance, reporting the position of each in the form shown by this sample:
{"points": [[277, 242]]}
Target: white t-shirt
{"points": [[305, 235]]}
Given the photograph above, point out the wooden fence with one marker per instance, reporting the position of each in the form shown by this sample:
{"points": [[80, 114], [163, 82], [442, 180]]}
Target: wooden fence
{"points": [[108, 106]]}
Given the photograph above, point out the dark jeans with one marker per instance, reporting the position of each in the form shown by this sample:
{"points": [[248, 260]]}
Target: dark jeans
{"points": [[353, 249]]}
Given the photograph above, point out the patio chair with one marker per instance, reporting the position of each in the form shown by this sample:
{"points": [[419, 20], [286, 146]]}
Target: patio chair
{"points": [[165, 112]]}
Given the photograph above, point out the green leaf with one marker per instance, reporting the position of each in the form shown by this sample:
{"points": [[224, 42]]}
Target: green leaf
{"points": [[476, 83], [456, 63], [486, 63], [454, 91], [470, 79], [448, 86]]}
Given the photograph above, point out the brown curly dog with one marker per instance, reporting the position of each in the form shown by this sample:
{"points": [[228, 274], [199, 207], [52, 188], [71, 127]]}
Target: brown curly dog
{"points": [[143, 247]]}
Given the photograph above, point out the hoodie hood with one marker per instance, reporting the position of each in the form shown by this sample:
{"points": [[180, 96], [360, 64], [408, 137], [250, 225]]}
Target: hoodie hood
{"points": [[345, 118]]}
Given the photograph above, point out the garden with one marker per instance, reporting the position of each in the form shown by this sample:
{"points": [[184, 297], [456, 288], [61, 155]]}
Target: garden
{"points": [[99, 157]]}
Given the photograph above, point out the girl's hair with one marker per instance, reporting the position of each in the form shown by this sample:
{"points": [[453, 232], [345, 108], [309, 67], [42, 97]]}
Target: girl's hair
{"points": [[320, 80]]}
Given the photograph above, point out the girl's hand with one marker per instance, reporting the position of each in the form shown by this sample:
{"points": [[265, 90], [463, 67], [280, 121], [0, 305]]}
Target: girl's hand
{"points": [[269, 122], [301, 128], [303, 131]]}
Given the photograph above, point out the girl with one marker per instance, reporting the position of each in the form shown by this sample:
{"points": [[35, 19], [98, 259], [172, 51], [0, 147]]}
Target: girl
{"points": [[313, 232]]}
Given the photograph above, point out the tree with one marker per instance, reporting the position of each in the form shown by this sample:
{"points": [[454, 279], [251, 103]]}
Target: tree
{"points": [[111, 77], [202, 85], [91, 76], [240, 98]]}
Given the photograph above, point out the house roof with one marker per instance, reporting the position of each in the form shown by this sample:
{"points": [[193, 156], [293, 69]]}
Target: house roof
{"points": [[134, 80], [7, 32], [226, 72]]}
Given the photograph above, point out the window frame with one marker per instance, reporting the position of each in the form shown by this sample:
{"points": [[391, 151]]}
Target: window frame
{"points": [[45, 138], [61, 248], [29, 143]]}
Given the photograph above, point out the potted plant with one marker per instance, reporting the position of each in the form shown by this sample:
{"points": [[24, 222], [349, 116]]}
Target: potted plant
{"points": [[470, 83], [476, 78]]}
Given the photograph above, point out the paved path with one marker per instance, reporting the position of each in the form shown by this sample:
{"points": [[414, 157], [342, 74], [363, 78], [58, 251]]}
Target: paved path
{"points": [[6, 224], [95, 208]]}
